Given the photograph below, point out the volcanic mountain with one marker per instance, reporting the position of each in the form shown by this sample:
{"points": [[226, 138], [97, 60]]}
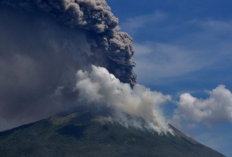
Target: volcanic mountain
{"points": [[85, 134]]}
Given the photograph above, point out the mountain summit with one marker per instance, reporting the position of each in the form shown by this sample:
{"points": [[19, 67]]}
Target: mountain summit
{"points": [[86, 135]]}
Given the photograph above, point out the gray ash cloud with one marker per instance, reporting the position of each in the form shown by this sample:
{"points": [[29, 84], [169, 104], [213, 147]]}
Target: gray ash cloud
{"points": [[103, 34], [42, 45]]}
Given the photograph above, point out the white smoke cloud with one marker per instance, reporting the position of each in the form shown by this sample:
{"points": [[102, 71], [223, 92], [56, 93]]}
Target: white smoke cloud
{"points": [[213, 110], [102, 88]]}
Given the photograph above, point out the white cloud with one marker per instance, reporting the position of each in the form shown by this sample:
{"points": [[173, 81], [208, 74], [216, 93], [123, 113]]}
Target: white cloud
{"points": [[142, 50], [213, 110], [134, 23], [214, 26], [156, 61], [199, 45]]}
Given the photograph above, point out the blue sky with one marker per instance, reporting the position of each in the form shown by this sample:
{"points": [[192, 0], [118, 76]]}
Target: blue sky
{"points": [[185, 46]]}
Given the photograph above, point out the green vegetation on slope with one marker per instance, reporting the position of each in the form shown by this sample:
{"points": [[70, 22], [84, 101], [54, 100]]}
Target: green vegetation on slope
{"points": [[84, 135]]}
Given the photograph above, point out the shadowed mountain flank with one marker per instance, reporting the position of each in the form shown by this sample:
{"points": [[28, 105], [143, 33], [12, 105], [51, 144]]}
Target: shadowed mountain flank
{"points": [[85, 134]]}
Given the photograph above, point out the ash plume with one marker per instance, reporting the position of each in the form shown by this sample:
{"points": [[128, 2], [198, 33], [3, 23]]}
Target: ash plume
{"points": [[96, 17], [43, 43]]}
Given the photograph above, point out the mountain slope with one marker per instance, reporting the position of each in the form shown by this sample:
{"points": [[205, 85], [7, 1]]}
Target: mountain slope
{"points": [[85, 135]]}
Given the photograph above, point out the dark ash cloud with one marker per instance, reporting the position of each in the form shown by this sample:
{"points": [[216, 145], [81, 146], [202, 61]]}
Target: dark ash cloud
{"points": [[43, 44], [103, 35]]}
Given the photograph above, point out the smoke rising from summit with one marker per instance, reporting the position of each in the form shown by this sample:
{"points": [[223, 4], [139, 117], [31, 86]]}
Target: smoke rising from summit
{"points": [[43, 44], [99, 87]]}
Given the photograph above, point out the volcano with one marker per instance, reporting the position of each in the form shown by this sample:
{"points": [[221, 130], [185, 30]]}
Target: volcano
{"points": [[87, 134], [59, 55]]}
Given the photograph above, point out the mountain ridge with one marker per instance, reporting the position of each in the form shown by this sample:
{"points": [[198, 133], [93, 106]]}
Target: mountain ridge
{"points": [[85, 134]]}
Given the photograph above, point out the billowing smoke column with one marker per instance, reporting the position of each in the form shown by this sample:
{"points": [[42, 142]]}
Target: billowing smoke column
{"points": [[101, 88], [43, 43], [103, 35]]}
